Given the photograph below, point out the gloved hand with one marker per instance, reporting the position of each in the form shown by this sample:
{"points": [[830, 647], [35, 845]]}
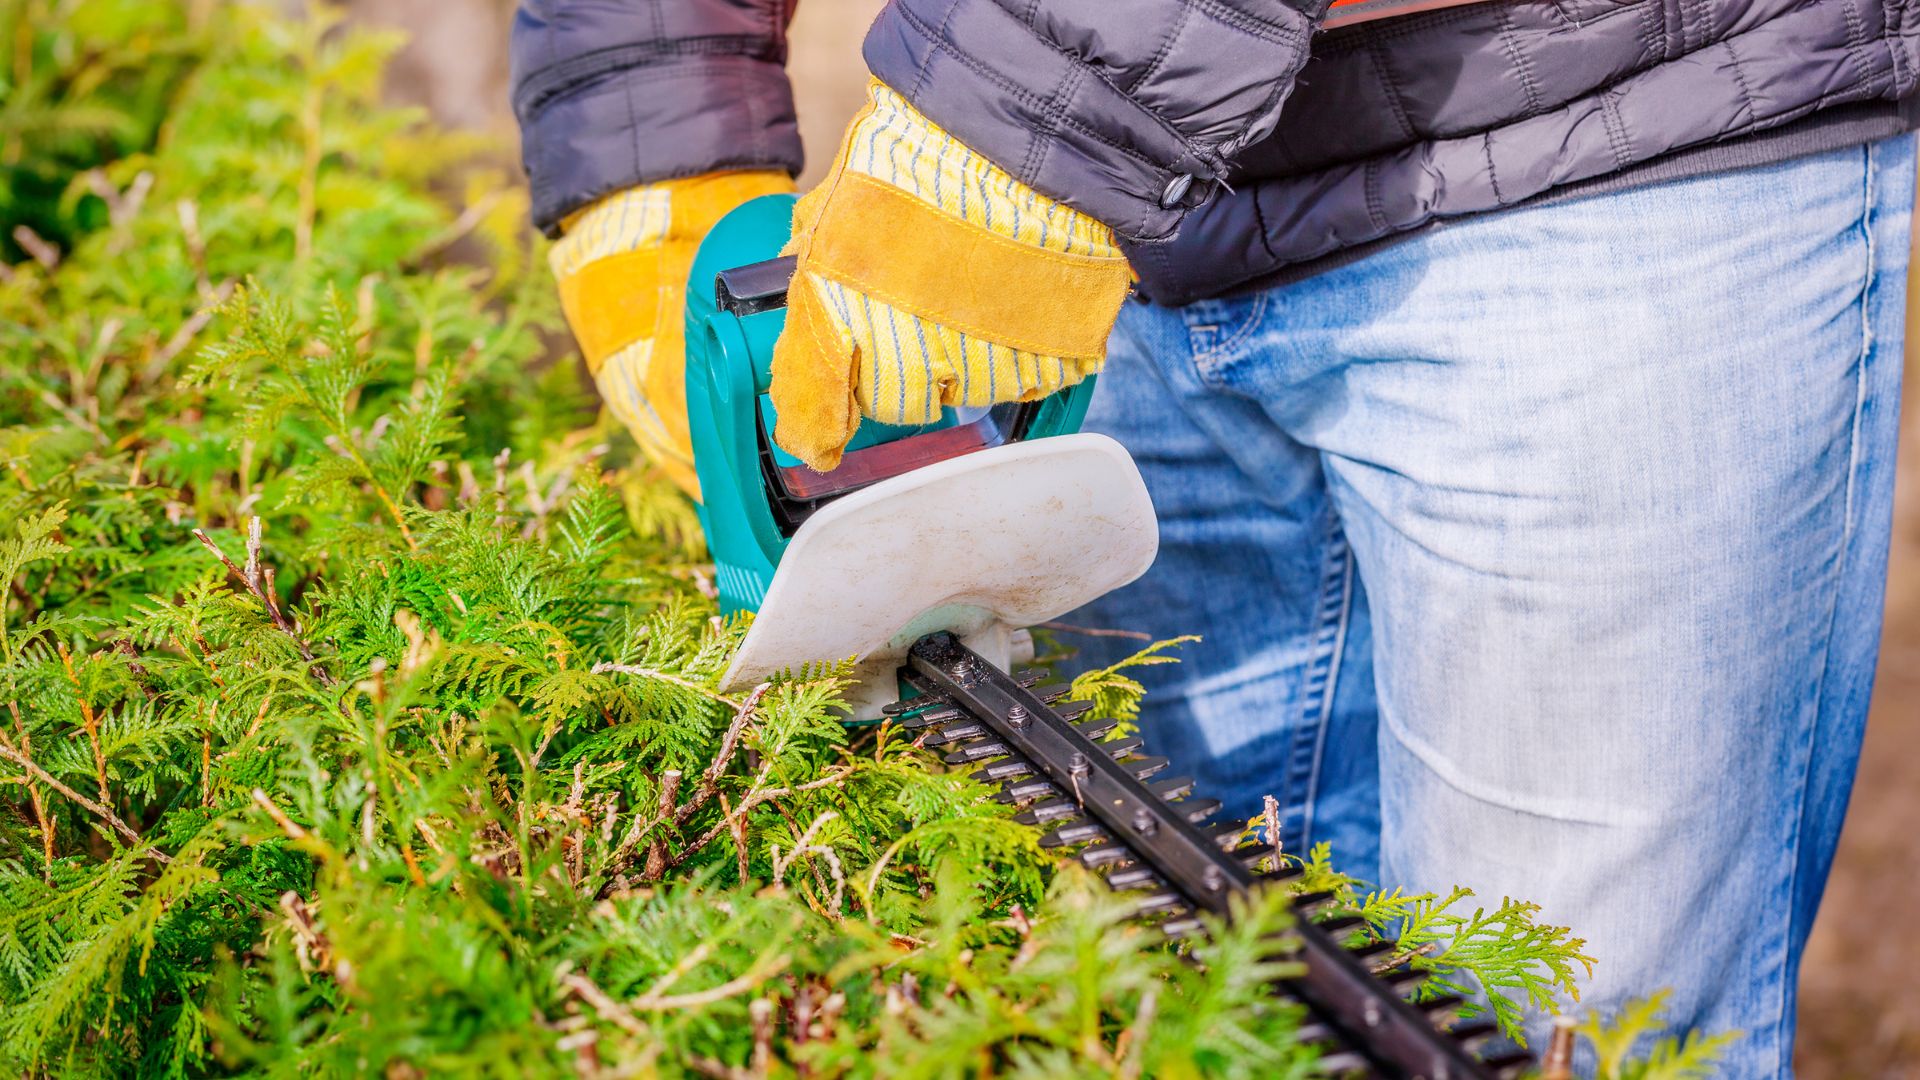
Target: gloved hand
{"points": [[928, 276], [622, 265]]}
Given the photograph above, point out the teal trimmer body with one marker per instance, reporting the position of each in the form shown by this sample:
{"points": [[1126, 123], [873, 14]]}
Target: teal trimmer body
{"points": [[985, 522]]}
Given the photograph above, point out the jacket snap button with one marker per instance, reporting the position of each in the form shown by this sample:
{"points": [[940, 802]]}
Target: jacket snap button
{"points": [[1175, 191]]}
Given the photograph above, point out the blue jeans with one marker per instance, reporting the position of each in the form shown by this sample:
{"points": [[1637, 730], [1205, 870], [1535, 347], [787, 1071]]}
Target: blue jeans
{"points": [[1543, 553]]}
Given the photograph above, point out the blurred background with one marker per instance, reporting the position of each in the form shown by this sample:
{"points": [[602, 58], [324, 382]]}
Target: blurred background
{"points": [[1860, 1002]]}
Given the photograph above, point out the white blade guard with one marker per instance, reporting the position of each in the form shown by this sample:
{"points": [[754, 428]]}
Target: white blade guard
{"points": [[980, 545]]}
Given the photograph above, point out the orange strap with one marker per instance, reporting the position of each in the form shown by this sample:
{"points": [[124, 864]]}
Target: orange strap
{"points": [[882, 242], [1348, 12], [612, 302]]}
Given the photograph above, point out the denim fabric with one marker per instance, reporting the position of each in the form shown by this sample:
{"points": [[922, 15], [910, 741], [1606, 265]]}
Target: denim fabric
{"points": [[1544, 555]]}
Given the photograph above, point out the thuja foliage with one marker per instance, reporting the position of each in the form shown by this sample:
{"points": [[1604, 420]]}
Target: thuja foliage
{"points": [[361, 708], [83, 82]]}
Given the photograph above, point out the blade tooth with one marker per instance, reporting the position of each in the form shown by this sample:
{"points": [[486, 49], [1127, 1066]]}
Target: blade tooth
{"points": [[1054, 694], [1510, 1064], [1376, 956], [1143, 767], [968, 753], [1281, 947], [931, 717], [1028, 677], [907, 705], [1120, 748], [1339, 926], [1440, 1010], [1169, 790], [954, 733], [1472, 1033], [1252, 854], [1156, 902], [1074, 710], [1226, 834], [1199, 810], [1182, 927], [1079, 831], [1094, 729], [1098, 855], [1313, 1031], [1404, 980], [1310, 904], [1042, 813], [1019, 791], [1007, 769], [1343, 1063], [1133, 877]]}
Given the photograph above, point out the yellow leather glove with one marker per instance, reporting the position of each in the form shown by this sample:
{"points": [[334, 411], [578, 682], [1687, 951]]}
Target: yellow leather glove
{"points": [[622, 265], [928, 276]]}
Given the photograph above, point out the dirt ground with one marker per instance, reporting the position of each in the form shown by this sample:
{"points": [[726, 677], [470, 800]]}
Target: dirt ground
{"points": [[1860, 997]]}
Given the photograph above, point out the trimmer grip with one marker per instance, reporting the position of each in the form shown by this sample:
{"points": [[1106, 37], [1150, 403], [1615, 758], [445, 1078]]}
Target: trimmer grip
{"points": [[755, 496], [755, 287]]}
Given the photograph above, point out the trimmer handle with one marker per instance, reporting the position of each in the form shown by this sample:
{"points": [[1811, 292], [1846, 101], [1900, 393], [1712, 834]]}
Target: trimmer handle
{"points": [[754, 495], [755, 287]]}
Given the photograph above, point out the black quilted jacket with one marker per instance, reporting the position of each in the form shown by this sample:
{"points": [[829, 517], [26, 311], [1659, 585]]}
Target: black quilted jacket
{"points": [[1230, 142]]}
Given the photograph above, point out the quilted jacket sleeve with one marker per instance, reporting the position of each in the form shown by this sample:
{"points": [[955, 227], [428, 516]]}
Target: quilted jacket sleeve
{"points": [[1127, 110], [613, 93]]}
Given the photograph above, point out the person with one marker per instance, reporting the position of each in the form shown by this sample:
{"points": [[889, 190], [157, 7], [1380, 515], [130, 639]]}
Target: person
{"points": [[1516, 384]]}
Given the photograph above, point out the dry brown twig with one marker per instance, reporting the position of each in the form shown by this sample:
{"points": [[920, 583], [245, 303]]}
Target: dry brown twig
{"points": [[606, 667], [469, 219], [1097, 631], [259, 580], [188, 330], [96, 809], [739, 824], [88, 721], [1128, 1048], [761, 1012], [287, 825], [34, 797], [720, 1070], [310, 946], [805, 846], [743, 714], [500, 488], [655, 999], [31, 242], [1270, 817], [756, 795], [657, 851], [733, 818], [603, 1003]]}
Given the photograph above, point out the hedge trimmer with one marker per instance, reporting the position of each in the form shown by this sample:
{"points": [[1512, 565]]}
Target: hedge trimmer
{"points": [[923, 555]]}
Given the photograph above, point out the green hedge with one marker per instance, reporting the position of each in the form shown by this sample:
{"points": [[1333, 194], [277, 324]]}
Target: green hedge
{"points": [[360, 691]]}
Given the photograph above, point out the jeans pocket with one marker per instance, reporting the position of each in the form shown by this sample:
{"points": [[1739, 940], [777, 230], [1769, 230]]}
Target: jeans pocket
{"points": [[1218, 332]]}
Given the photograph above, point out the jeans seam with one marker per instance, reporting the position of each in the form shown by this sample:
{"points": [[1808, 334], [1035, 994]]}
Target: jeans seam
{"points": [[1205, 361], [1868, 280], [1308, 744]]}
